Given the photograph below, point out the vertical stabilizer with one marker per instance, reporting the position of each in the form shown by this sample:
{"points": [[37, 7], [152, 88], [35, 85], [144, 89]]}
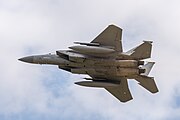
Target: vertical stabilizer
{"points": [[147, 68]]}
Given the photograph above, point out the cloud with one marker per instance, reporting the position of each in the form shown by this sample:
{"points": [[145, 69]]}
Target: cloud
{"points": [[42, 92]]}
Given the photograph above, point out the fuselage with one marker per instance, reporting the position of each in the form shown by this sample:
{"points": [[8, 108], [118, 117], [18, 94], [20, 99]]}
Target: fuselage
{"points": [[96, 67], [104, 60]]}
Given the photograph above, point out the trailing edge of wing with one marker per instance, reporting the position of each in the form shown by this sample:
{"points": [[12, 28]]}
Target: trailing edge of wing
{"points": [[110, 37], [121, 92]]}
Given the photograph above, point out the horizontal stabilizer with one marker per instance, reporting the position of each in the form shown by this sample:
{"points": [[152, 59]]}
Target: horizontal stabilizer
{"points": [[148, 83], [142, 51]]}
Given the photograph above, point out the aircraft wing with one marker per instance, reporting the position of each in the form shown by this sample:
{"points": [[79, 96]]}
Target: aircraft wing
{"points": [[110, 37], [121, 92]]}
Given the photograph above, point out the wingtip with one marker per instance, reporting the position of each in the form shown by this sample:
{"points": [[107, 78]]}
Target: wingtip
{"points": [[116, 26], [146, 41]]}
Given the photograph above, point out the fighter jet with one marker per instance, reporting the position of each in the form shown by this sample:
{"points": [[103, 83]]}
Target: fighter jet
{"points": [[105, 62]]}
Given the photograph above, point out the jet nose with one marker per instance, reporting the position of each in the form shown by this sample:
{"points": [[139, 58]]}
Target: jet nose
{"points": [[27, 59]]}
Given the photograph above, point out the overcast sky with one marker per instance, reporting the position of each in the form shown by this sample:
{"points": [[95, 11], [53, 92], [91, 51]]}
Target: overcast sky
{"points": [[34, 92]]}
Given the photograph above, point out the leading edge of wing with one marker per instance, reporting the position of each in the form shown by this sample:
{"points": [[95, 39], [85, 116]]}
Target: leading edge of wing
{"points": [[121, 92], [110, 37]]}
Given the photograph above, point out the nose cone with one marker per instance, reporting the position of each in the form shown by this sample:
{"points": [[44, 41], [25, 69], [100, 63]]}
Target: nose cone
{"points": [[27, 59]]}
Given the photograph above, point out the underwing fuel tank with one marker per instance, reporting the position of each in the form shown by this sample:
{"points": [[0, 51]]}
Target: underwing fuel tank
{"points": [[96, 84], [92, 49]]}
